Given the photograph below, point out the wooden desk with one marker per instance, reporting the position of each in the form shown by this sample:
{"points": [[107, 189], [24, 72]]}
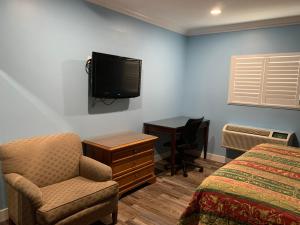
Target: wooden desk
{"points": [[173, 126], [129, 154]]}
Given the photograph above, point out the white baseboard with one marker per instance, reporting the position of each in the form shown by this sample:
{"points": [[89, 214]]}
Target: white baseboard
{"points": [[3, 215], [210, 156]]}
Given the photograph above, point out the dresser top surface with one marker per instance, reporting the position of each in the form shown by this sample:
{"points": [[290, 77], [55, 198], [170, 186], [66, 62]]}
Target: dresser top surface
{"points": [[119, 140]]}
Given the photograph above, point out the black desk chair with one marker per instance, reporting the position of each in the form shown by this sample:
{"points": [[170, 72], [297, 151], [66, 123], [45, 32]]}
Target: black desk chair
{"points": [[188, 141]]}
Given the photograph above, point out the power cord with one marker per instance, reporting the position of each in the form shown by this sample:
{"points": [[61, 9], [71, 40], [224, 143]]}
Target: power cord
{"points": [[88, 66], [103, 100]]}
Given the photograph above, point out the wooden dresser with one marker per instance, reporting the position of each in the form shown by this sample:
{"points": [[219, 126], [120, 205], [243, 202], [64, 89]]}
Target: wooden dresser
{"points": [[129, 154]]}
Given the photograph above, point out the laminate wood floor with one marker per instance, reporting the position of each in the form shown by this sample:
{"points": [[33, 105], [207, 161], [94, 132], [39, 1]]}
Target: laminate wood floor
{"points": [[163, 202]]}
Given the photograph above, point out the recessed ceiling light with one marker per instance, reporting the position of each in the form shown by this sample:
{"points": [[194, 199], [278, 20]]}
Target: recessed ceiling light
{"points": [[215, 11]]}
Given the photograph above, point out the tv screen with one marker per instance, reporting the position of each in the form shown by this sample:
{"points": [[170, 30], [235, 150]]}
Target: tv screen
{"points": [[114, 76]]}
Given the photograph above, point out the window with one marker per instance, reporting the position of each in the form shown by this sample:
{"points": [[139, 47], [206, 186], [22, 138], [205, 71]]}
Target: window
{"points": [[265, 80]]}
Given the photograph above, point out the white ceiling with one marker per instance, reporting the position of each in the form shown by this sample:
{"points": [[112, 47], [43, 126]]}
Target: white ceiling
{"points": [[192, 17]]}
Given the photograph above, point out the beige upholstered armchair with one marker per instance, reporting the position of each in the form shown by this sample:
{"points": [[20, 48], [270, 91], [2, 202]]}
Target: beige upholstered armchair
{"points": [[49, 181]]}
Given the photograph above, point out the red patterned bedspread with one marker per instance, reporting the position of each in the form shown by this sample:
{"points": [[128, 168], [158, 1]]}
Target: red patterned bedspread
{"points": [[258, 188]]}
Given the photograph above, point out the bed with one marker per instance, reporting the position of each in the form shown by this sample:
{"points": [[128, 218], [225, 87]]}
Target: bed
{"points": [[260, 187]]}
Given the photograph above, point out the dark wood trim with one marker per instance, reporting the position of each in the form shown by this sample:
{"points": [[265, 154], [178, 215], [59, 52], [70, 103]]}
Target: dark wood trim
{"points": [[148, 128]]}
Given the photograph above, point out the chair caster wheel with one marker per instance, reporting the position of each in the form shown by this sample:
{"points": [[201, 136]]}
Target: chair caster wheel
{"points": [[200, 170], [185, 175]]}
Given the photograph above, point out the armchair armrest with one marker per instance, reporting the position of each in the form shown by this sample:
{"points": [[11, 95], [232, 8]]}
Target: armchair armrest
{"points": [[26, 188], [94, 170]]}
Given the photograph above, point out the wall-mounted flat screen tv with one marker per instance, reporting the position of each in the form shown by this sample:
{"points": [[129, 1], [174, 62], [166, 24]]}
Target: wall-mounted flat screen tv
{"points": [[115, 76]]}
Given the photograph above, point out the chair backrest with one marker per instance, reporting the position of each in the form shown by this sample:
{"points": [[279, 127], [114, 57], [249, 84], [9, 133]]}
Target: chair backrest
{"points": [[189, 134], [43, 160]]}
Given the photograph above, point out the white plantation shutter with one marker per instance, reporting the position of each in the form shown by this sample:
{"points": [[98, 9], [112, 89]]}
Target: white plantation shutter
{"points": [[247, 79], [281, 84], [267, 80]]}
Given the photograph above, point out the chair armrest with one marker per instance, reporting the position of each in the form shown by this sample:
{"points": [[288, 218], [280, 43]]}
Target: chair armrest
{"points": [[94, 170], [26, 188]]}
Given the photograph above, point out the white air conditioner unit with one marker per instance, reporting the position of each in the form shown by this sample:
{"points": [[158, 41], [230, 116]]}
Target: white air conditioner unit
{"points": [[244, 138]]}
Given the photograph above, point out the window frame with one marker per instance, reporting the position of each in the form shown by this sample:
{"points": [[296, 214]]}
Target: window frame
{"points": [[262, 93]]}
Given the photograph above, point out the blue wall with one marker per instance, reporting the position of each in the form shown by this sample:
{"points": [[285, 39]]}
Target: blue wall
{"points": [[43, 85], [207, 78]]}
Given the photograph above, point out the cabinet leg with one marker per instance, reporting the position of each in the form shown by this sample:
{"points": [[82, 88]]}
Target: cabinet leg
{"points": [[10, 222]]}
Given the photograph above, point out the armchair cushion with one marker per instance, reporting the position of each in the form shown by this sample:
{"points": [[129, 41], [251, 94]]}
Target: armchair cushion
{"points": [[94, 170], [26, 188], [71, 196]]}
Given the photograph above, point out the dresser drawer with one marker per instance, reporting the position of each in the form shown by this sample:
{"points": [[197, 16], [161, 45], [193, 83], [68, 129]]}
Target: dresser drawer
{"points": [[124, 180], [130, 151], [144, 172], [132, 162], [119, 155], [134, 175], [123, 167], [142, 148], [144, 158]]}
